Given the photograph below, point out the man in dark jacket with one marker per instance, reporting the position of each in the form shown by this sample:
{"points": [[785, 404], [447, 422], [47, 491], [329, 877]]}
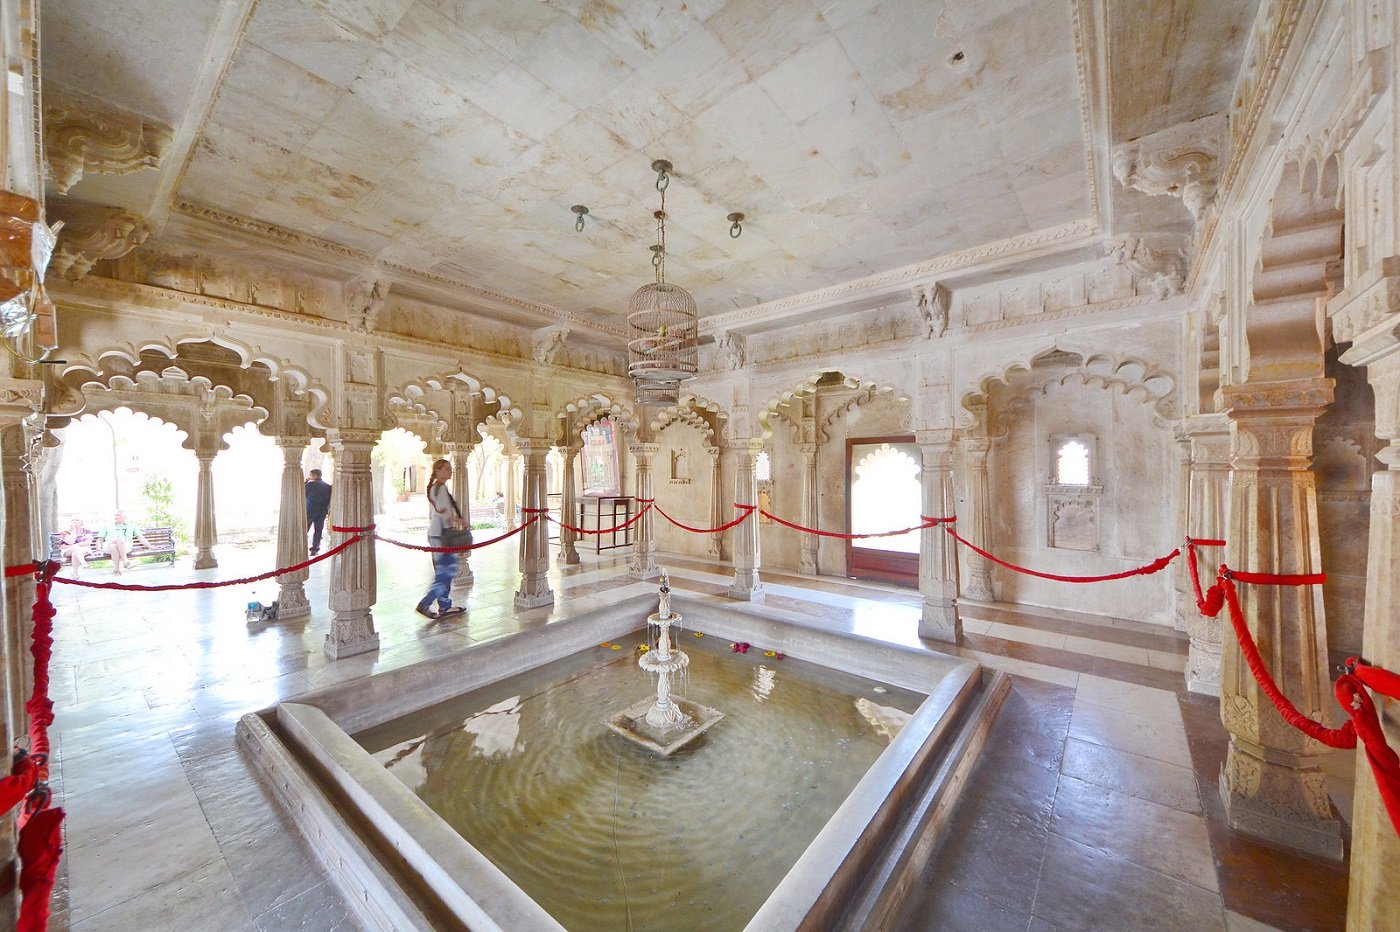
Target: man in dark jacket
{"points": [[318, 505]]}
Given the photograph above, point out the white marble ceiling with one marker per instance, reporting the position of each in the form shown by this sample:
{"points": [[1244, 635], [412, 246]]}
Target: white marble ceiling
{"points": [[452, 136]]}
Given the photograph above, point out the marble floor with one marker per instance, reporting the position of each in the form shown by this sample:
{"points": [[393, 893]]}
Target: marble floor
{"points": [[1094, 806]]}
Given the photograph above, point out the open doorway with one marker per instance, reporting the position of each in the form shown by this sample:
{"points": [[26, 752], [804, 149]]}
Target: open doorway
{"points": [[882, 479]]}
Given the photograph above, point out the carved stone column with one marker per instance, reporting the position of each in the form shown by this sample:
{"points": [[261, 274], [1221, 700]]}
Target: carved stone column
{"points": [[747, 584], [1375, 847], [1181, 576], [568, 549], [1272, 783], [354, 582], [18, 443], [534, 588], [938, 555], [715, 545], [644, 549], [807, 561], [978, 528], [206, 532], [291, 532], [1209, 436], [18, 400], [459, 454], [512, 489]]}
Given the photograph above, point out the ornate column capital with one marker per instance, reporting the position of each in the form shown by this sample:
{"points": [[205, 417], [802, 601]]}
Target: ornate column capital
{"points": [[19, 398], [350, 436], [808, 449], [639, 449]]}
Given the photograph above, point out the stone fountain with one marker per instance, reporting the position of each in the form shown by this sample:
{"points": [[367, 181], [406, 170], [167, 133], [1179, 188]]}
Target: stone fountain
{"points": [[663, 724]]}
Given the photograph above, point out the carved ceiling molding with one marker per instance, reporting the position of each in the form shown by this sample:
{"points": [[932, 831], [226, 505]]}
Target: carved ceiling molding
{"points": [[1090, 65], [260, 230], [85, 135], [1064, 235], [1082, 310], [93, 234], [1180, 161], [1274, 28]]}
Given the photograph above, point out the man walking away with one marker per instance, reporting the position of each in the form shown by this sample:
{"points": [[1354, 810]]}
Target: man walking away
{"points": [[318, 505]]}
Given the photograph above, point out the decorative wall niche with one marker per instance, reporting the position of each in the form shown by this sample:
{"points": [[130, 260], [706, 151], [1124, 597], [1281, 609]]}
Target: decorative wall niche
{"points": [[1072, 495]]}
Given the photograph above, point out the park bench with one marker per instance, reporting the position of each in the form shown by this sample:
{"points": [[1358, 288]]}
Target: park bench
{"points": [[162, 541]]}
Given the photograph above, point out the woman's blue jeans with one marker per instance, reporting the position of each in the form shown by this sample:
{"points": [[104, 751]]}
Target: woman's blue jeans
{"points": [[444, 570]]}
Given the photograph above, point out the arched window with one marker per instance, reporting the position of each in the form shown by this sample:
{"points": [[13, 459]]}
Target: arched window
{"points": [[1072, 463], [763, 468]]}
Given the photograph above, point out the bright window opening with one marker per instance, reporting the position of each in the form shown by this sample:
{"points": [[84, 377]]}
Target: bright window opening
{"points": [[1072, 463]]}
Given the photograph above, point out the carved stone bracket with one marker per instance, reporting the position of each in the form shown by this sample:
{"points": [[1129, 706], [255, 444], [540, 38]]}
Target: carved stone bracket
{"points": [[1182, 161], [93, 234], [549, 344], [364, 299], [933, 303], [83, 134], [1156, 265], [732, 350]]}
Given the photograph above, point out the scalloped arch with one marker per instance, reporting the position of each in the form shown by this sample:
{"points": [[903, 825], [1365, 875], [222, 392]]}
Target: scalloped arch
{"points": [[1136, 378], [408, 394], [808, 385], [279, 368]]}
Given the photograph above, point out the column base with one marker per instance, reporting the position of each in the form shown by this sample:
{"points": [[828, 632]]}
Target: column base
{"points": [[638, 571], [205, 560], [747, 593], [807, 565], [292, 602], [533, 599], [464, 579], [1203, 669], [941, 622], [1285, 804], [569, 556], [350, 634]]}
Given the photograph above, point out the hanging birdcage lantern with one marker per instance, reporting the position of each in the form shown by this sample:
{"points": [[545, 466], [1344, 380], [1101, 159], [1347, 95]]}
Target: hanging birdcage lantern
{"points": [[662, 348]]}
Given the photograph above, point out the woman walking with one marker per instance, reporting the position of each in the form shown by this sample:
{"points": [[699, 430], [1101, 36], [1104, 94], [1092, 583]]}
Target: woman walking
{"points": [[442, 514]]}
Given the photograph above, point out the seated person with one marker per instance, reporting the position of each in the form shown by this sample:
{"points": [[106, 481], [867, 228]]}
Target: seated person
{"points": [[117, 538], [73, 545]]}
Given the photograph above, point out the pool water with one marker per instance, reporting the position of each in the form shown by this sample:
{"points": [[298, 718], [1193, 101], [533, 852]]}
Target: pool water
{"points": [[606, 835]]}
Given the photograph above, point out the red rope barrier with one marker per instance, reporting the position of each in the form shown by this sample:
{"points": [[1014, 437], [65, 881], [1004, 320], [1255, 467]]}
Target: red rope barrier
{"points": [[1209, 603], [924, 523], [473, 546], [747, 510], [1155, 566], [607, 530], [40, 843], [219, 584], [1350, 690]]}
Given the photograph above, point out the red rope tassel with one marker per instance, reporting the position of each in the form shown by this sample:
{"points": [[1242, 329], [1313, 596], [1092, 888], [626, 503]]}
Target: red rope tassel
{"points": [[40, 847], [1210, 603]]}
